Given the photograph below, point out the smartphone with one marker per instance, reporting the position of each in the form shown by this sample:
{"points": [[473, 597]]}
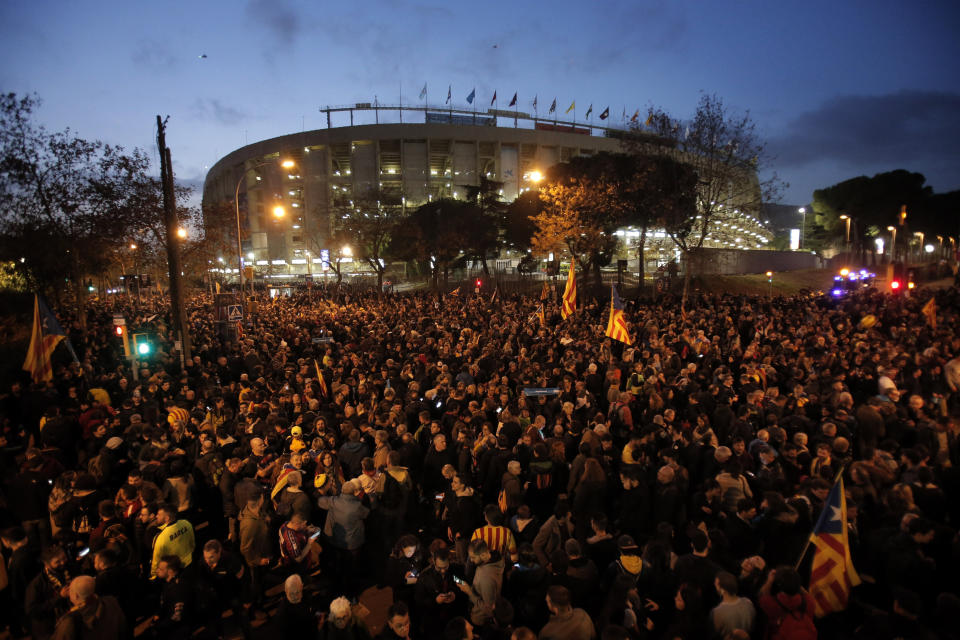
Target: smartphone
{"points": [[458, 580], [438, 404], [83, 552], [413, 573], [439, 496], [499, 409], [49, 481], [516, 565]]}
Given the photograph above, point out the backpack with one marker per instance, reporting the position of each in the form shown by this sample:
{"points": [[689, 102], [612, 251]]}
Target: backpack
{"points": [[791, 627], [393, 494]]}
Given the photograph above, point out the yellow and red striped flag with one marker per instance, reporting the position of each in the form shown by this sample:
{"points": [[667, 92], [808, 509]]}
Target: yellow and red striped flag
{"points": [[46, 335], [320, 380], [570, 293], [617, 324], [541, 316], [929, 311], [832, 575], [545, 292]]}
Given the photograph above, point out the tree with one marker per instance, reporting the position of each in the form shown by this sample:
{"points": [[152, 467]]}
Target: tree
{"points": [[483, 233], [873, 203], [725, 153], [579, 213], [519, 227], [435, 235], [368, 222], [65, 202]]}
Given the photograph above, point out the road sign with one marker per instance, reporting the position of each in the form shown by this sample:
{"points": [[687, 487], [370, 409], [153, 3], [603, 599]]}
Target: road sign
{"points": [[234, 313]]}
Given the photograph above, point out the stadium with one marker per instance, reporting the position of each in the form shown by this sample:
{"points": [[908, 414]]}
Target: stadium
{"points": [[436, 156]]}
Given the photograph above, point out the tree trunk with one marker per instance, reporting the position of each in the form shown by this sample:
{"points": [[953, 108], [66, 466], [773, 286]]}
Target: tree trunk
{"points": [[380, 280], [686, 282], [483, 262]]}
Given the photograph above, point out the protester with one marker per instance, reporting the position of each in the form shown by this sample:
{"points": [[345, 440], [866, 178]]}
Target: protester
{"points": [[663, 489]]}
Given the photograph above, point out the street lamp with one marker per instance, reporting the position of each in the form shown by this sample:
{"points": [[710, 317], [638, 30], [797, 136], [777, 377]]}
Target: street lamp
{"points": [[893, 243], [803, 225], [182, 233], [920, 246], [279, 212], [535, 176], [286, 164], [847, 219]]}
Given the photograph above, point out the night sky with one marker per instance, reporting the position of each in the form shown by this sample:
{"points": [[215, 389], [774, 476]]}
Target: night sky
{"points": [[838, 89]]}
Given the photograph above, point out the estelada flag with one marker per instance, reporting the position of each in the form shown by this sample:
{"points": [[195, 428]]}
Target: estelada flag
{"points": [[929, 311], [455, 293], [617, 324], [832, 575], [541, 316], [570, 292], [545, 292], [46, 335], [320, 380]]}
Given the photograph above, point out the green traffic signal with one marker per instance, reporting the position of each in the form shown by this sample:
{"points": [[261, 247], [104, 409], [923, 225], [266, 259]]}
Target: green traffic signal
{"points": [[142, 345]]}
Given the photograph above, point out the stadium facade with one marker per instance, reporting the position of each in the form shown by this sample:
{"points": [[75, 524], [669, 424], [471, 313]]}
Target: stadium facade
{"points": [[437, 157]]}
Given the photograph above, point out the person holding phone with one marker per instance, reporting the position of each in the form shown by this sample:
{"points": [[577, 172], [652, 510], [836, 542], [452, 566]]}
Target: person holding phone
{"points": [[436, 594], [487, 583], [298, 544]]}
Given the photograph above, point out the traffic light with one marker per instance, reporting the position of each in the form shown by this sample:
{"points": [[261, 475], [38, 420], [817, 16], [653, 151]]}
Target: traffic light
{"points": [[120, 330], [142, 345]]}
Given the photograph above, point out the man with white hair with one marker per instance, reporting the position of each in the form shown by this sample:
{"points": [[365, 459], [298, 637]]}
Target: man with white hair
{"points": [[294, 618], [90, 616], [342, 623]]}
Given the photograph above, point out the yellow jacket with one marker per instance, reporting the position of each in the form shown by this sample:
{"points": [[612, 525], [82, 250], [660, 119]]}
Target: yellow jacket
{"points": [[173, 540]]}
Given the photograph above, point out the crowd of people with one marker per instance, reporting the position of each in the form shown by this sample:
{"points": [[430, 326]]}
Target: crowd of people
{"points": [[349, 444]]}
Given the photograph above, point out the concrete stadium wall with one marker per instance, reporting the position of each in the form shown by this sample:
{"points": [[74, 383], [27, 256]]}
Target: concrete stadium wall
{"points": [[733, 261]]}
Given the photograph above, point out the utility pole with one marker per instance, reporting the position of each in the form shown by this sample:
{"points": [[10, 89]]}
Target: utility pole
{"points": [[177, 312]]}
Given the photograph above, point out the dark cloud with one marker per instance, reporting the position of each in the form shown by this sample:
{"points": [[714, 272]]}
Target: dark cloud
{"points": [[213, 109], [910, 129], [154, 55], [277, 17]]}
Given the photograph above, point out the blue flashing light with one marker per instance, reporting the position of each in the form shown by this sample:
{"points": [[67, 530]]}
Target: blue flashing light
{"points": [[837, 278], [837, 292]]}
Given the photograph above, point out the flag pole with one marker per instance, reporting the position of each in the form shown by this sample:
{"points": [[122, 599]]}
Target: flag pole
{"points": [[806, 547], [401, 101]]}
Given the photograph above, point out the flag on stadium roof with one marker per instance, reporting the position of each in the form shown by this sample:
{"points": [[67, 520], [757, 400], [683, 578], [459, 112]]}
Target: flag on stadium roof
{"points": [[472, 95], [494, 98], [589, 111], [553, 106], [423, 92], [573, 105], [513, 102], [605, 114]]}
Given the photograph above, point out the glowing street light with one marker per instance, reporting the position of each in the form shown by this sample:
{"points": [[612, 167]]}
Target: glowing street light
{"points": [[133, 246], [893, 242], [535, 176], [288, 164], [182, 233], [347, 251], [279, 212], [847, 219]]}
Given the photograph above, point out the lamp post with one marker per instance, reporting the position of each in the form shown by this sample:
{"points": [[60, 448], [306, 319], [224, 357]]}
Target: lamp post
{"points": [[286, 164], [803, 225], [920, 247], [893, 243]]}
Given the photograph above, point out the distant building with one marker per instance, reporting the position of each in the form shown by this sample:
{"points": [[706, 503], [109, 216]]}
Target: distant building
{"points": [[414, 162]]}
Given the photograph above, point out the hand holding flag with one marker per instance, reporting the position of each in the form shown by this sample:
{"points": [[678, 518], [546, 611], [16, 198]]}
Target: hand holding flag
{"points": [[617, 324], [570, 292]]}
